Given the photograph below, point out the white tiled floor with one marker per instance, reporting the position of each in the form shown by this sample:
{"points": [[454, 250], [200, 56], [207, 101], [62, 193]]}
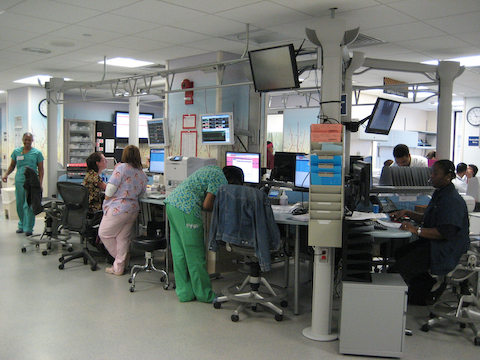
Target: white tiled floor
{"points": [[50, 314]]}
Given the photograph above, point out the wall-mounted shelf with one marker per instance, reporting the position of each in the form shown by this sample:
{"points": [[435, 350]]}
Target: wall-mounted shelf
{"points": [[79, 140]]}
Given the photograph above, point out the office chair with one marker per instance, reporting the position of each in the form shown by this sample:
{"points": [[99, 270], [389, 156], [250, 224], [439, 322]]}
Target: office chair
{"points": [[462, 305], [237, 210], [77, 218], [53, 209], [149, 245]]}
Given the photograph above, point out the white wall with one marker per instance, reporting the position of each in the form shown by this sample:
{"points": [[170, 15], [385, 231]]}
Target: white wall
{"points": [[471, 154]]}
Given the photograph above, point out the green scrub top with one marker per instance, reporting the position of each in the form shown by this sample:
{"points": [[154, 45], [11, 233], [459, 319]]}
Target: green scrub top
{"points": [[30, 159]]}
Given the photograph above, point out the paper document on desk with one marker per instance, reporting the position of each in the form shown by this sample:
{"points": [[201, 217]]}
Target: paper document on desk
{"points": [[358, 215], [389, 224]]}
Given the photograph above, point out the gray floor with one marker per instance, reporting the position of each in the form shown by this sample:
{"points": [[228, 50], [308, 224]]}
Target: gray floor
{"points": [[50, 314]]}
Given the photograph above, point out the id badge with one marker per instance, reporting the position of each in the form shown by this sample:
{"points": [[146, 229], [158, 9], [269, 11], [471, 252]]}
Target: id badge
{"points": [[20, 157]]}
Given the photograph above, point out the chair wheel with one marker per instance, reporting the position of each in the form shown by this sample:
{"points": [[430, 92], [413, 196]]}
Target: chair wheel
{"points": [[24, 250], [254, 308], [463, 326], [70, 249], [284, 303], [431, 315], [425, 328], [132, 288], [162, 279], [44, 253], [234, 318], [476, 341], [278, 317], [129, 280], [61, 259], [37, 245], [61, 266], [217, 305], [93, 268], [165, 287], [85, 261]]}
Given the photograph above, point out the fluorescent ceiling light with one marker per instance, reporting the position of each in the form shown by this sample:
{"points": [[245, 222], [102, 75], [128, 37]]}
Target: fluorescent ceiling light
{"points": [[126, 62], [2, 91], [33, 80], [468, 61]]}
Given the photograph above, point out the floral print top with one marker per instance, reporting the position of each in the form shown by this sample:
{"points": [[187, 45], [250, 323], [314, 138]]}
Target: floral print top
{"points": [[91, 181], [131, 184]]}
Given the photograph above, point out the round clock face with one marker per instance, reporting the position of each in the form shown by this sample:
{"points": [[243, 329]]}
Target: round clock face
{"points": [[43, 107], [473, 116]]}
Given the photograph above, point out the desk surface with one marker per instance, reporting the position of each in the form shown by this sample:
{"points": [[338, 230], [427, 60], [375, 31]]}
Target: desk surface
{"points": [[284, 217]]}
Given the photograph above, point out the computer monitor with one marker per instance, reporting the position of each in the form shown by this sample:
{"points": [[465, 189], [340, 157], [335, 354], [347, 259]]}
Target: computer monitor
{"points": [[284, 166], [122, 127], [248, 162], [274, 68], [382, 116], [157, 132], [157, 161], [217, 129], [362, 181], [302, 171]]}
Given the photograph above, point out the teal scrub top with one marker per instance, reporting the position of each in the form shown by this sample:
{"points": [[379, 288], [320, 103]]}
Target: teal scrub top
{"points": [[30, 159], [189, 195]]}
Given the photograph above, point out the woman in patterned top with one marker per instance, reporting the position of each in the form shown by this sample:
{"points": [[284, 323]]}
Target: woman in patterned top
{"points": [[120, 208], [96, 163]]}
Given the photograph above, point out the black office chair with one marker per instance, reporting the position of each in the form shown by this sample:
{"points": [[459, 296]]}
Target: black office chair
{"points": [[76, 217], [249, 208]]}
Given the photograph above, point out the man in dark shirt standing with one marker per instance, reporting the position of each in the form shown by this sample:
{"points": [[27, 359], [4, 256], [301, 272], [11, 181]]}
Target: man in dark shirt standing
{"points": [[443, 234]]}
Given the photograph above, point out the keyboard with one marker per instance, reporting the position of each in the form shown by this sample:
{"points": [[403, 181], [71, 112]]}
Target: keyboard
{"points": [[156, 196]]}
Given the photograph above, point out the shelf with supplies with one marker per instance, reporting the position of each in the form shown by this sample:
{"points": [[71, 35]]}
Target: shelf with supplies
{"points": [[79, 140]]}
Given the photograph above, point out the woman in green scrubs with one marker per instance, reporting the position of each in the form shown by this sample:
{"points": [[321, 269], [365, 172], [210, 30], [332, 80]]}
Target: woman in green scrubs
{"points": [[22, 157]]}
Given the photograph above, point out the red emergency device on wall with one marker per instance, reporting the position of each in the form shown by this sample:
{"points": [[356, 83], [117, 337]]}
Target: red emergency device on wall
{"points": [[187, 84]]}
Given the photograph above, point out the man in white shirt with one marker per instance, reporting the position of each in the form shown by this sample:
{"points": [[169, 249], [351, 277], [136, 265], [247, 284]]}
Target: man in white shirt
{"points": [[460, 180], [402, 156]]}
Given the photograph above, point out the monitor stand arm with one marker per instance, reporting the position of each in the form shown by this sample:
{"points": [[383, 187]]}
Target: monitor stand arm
{"points": [[353, 126]]}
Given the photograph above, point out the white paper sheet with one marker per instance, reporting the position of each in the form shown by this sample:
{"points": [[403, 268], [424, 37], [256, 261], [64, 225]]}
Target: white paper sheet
{"points": [[109, 145], [357, 215], [389, 224]]}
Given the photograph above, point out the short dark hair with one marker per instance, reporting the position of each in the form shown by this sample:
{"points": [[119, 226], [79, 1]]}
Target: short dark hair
{"points": [[447, 167], [461, 167], [474, 168], [92, 160], [234, 175], [131, 155], [400, 151]]}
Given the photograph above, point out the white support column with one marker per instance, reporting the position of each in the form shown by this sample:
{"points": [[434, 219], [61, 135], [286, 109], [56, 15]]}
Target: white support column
{"points": [[134, 110], [54, 110], [447, 71], [329, 35]]}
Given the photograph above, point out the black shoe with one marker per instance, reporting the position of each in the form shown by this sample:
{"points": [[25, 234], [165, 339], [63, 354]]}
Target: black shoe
{"points": [[19, 231], [28, 233]]}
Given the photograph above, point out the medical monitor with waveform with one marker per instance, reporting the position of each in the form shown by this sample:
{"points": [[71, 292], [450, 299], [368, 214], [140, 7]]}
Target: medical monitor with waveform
{"points": [[248, 162], [157, 161], [217, 129]]}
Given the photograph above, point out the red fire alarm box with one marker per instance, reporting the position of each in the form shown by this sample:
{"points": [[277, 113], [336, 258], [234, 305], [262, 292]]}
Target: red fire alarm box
{"points": [[187, 84]]}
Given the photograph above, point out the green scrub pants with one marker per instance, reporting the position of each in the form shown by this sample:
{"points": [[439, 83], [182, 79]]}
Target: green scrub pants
{"points": [[25, 212], [188, 252]]}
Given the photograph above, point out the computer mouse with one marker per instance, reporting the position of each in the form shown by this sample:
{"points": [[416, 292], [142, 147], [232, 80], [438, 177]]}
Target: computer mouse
{"points": [[299, 211]]}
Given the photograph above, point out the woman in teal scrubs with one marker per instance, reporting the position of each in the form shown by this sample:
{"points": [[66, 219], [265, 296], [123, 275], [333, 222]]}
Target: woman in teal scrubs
{"points": [[22, 157]]}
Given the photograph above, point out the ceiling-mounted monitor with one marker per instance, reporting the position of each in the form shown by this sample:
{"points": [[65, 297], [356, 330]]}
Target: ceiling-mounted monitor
{"points": [[217, 129], [157, 132], [122, 125], [274, 68], [383, 114]]}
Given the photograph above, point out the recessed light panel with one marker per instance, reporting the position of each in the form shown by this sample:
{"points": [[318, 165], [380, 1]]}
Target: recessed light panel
{"points": [[126, 62]]}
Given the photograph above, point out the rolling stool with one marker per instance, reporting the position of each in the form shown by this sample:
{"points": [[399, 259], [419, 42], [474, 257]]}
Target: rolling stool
{"points": [[149, 245]]}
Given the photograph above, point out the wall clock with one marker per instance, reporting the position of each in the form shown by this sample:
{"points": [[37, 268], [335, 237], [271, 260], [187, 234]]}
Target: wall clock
{"points": [[473, 116]]}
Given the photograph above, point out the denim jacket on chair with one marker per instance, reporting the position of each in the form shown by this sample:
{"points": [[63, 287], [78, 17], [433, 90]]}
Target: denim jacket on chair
{"points": [[243, 216]]}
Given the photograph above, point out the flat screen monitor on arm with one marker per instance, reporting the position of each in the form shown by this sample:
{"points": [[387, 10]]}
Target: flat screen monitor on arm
{"points": [[383, 114], [217, 129], [274, 68], [302, 171], [157, 161], [157, 132], [122, 125], [248, 162]]}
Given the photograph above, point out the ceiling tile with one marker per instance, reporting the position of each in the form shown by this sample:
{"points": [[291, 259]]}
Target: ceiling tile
{"points": [[28, 23], [472, 38], [51, 10], [217, 44], [103, 5], [431, 9], [14, 35], [433, 43], [5, 4], [158, 12], [120, 24], [136, 43], [322, 8], [373, 17], [212, 25], [87, 35], [211, 6], [410, 31], [264, 14], [173, 52], [458, 24], [452, 52], [171, 34]]}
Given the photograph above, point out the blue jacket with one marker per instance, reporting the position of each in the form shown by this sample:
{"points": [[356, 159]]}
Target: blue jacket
{"points": [[243, 216]]}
